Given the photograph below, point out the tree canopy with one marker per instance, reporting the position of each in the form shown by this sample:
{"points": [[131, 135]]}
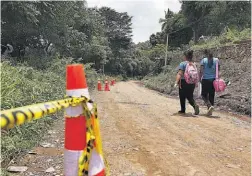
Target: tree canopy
{"points": [[103, 36], [197, 18], [70, 29]]}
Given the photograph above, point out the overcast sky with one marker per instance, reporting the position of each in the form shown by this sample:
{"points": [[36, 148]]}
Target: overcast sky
{"points": [[146, 14]]}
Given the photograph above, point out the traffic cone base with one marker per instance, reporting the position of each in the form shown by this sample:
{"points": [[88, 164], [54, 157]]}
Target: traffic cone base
{"points": [[96, 166]]}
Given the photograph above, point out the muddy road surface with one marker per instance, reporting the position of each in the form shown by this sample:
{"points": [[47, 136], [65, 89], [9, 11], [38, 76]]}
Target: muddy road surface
{"points": [[143, 135]]}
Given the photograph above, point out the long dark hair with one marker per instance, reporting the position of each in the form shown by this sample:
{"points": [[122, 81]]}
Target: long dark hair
{"points": [[189, 55], [209, 56]]}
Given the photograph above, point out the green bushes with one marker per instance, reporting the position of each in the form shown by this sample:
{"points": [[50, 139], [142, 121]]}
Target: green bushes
{"points": [[24, 85], [164, 81], [227, 38]]}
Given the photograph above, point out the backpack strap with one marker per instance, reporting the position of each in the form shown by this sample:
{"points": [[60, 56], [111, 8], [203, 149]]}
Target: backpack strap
{"points": [[186, 69], [217, 69], [194, 65], [205, 61]]}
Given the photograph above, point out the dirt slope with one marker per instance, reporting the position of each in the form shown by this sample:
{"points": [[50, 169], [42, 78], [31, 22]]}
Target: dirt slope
{"points": [[143, 135]]}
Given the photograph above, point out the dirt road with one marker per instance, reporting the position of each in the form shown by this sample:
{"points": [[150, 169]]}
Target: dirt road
{"points": [[143, 135]]}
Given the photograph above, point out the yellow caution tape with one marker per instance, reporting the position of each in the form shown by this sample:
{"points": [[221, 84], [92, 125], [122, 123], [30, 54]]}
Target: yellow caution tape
{"points": [[86, 154], [18, 116], [107, 169], [98, 141], [93, 138]]}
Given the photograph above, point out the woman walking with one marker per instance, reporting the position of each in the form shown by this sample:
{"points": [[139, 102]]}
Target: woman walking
{"points": [[208, 75], [186, 79]]}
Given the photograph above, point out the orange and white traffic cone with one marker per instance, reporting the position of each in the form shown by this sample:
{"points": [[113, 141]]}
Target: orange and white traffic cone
{"points": [[111, 83], [114, 81], [99, 86], [107, 85], [75, 126]]}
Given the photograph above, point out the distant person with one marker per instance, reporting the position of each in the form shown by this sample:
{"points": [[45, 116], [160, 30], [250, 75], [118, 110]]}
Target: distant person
{"points": [[208, 75], [186, 88]]}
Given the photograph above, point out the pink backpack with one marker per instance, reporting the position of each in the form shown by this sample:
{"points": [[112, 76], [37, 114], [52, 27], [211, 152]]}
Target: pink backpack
{"points": [[219, 84], [191, 74]]}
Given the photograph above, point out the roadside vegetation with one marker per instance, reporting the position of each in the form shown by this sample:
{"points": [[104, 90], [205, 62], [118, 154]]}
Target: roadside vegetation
{"points": [[229, 37]]}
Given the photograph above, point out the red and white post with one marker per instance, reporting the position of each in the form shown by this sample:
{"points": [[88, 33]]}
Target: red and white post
{"points": [[75, 126]]}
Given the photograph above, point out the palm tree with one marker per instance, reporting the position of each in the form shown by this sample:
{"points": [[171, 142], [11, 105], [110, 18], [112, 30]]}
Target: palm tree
{"points": [[167, 20]]}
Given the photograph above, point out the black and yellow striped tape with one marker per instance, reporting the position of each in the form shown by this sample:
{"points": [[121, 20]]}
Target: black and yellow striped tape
{"points": [[90, 138], [18, 116]]}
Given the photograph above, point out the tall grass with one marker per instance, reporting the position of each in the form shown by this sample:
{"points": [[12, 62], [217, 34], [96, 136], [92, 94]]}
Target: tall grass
{"points": [[24, 85]]}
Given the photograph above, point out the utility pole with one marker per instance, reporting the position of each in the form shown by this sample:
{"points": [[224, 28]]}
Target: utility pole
{"points": [[103, 68], [166, 49]]}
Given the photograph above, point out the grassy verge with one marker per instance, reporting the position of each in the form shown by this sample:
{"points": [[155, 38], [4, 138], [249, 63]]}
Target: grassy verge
{"points": [[230, 37], [24, 85], [164, 81]]}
